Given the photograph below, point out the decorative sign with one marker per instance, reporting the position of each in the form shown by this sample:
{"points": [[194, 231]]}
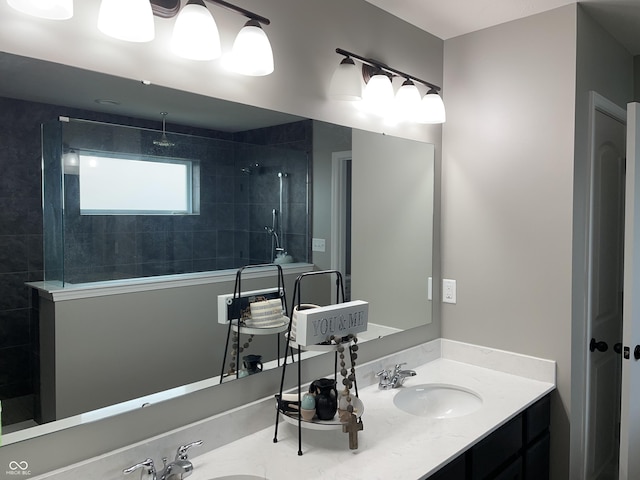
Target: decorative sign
{"points": [[316, 325]]}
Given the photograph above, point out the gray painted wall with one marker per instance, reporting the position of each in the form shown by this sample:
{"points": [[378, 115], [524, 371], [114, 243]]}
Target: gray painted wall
{"points": [[507, 176], [111, 349], [513, 180]]}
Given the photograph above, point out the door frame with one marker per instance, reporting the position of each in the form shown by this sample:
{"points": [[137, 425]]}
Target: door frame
{"points": [[338, 217], [580, 360]]}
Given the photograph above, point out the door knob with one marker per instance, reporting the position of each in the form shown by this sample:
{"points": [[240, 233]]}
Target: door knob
{"points": [[600, 346]]}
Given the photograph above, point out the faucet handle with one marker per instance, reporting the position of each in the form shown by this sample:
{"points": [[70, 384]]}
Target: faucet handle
{"points": [[181, 454], [148, 464], [399, 366], [383, 373]]}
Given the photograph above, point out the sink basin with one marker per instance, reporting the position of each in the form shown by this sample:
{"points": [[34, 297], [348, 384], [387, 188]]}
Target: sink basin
{"points": [[437, 400]]}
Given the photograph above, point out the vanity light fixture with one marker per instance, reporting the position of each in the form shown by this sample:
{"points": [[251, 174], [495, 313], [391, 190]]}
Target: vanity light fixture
{"points": [[49, 9], [129, 20], [377, 97], [196, 37]]}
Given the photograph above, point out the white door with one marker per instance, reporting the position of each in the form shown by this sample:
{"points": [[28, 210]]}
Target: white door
{"points": [[630, 414], [605, 308]]}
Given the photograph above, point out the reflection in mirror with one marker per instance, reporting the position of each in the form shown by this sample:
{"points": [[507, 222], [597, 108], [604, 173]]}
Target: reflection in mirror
{"points": [[241, 202], [101, 331]]}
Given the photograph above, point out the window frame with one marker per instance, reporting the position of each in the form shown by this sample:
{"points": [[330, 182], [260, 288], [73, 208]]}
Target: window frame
{"points": [[192, 183]]}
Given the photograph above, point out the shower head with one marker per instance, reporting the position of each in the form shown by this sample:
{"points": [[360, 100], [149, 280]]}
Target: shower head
{"points": [[163, 141], [248, 170]]}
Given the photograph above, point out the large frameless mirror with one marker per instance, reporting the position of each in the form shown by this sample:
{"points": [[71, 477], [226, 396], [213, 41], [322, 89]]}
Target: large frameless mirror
{"points": [[364, 206]]}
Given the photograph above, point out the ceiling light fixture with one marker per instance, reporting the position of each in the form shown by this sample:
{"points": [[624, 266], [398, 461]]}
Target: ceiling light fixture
{"points": [[49, 9], [378, 92]]}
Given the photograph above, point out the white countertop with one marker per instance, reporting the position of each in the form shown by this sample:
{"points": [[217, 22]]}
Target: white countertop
{"points": [[393, 444]]}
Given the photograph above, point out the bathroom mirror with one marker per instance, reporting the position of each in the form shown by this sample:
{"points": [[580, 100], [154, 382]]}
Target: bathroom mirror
{"points": [[390, 180]]}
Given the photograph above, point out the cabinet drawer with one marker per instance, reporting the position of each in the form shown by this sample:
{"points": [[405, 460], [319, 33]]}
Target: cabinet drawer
{"points": [[454, 470], [537, 419], [511, 472], [495, 450], [536, 460]]}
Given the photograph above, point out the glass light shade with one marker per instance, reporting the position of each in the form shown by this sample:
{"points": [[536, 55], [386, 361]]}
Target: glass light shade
{"points": [[50, 9], [378, 97], [432, 109], [251, 53], [195, 33], [408, 101], [129, 20], [346, 83], [71, 161]]}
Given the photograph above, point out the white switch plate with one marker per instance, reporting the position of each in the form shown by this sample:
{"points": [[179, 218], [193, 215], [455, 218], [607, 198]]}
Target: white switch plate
{"points": [[430, 288], [318, 244], [448, 291]]}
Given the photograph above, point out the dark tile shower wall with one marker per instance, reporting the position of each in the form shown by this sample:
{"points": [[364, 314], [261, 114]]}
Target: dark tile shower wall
{"points": [[190, 243], [260, 191], [107, 247], [234, 208]]}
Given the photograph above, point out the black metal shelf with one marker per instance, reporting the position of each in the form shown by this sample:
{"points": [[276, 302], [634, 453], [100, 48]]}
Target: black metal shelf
{"points": [[235, 324], [292, 345]]}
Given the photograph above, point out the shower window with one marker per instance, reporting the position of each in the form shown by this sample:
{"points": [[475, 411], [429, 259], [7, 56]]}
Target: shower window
{"points": [[111, 185]]}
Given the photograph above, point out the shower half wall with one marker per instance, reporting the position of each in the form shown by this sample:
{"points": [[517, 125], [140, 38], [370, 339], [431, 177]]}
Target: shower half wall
{"points": [[234, 189]]}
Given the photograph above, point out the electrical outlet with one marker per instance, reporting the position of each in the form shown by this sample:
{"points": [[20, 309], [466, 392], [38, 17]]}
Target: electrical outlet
{"points": [[318, 244], [448, 291]]}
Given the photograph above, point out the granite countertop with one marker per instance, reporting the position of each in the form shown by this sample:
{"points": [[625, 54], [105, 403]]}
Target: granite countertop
{"points": [[393, 444]]}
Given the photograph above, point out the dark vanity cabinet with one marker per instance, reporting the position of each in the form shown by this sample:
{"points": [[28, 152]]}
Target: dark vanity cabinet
{"points": [[519, 450]]}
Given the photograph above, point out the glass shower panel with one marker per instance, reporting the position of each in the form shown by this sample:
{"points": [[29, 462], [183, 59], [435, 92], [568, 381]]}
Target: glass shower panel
{"points": [[233, 189], [52, 194]]}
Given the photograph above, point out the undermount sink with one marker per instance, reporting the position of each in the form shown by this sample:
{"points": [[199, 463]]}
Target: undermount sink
{"points": [[437, 400]]}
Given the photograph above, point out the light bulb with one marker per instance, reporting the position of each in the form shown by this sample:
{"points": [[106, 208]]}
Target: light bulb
{"points": [[408, 101], [432, 108], [377, 97], [346, 82], [195, 33], [129, 20], [251, 53]]}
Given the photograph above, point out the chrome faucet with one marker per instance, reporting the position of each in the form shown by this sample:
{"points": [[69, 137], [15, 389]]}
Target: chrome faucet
{"points": [[180, 468], [394, 379]]}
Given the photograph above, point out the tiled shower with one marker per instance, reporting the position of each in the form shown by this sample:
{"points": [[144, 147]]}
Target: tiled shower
{"points": [[228, 233]]}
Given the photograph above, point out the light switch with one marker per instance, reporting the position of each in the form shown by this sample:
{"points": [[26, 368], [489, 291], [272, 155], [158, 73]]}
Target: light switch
{"points": [[318, 244], [448, 291], [430, 288]]}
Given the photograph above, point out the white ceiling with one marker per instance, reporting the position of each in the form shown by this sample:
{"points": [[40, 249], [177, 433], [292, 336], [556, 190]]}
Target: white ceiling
{"points": [[450, 18]]}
